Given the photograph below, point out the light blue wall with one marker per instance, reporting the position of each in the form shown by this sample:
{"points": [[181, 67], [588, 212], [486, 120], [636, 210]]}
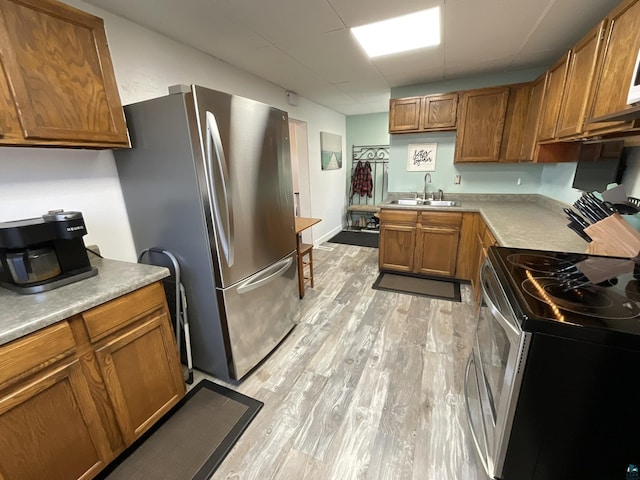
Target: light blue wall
{"points": [[557, 178], [495, 178], [371, 129]]}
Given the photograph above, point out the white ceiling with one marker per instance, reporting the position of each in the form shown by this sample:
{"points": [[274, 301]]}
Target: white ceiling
{"points": [[306, 46]]}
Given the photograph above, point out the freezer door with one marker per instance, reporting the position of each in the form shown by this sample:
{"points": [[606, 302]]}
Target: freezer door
{"points": [[246, 183], [258, 313]]}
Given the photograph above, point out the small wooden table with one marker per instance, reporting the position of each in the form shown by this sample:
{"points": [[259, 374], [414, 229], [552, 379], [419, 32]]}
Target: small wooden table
{"points": [[302, 249]]}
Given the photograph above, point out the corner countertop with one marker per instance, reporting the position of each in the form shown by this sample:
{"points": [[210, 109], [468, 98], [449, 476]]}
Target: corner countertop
{"points": [[24, 314], [519, 221]]}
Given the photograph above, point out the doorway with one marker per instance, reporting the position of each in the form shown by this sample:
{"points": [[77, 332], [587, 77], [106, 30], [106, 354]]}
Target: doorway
{"points": [[300, 169]]}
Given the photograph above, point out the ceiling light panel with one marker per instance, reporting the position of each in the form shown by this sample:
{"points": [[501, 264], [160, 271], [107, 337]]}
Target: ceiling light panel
{"points": [[400, 34]]}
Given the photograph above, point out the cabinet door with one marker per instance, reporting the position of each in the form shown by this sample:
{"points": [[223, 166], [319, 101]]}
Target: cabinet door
{"points": [[439, 112], [480, 124], [467, 246], [615, 67], [436, 250], [582, 65], [396, 249], [533, 118], [59, 87], [141, 372], [556, 77], [404, 114], [51, 429], [515, 123]]}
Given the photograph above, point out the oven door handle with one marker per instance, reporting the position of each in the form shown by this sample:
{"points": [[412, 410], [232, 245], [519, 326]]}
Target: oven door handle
{"points": [[474, 435], [506, 324]]}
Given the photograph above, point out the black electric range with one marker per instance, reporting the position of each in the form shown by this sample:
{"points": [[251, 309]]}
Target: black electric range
{"points": [[581, 296]]}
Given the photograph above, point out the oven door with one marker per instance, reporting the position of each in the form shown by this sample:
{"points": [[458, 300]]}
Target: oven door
{"points": [[494, 373]]}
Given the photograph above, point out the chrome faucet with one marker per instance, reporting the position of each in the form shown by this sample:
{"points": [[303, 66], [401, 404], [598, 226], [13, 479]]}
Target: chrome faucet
{"points": [[440, 194], [427, 179]]}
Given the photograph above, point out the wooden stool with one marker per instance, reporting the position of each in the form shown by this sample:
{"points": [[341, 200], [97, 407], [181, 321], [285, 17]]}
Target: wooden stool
{"points": [[304, 249]]}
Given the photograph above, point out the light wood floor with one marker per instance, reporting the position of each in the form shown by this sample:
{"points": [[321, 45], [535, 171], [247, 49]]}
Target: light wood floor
{"points": [[369, 385]]}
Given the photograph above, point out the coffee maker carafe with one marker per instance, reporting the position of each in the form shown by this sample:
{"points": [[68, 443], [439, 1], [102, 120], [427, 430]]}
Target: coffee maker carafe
{"points": [[43, 253]]}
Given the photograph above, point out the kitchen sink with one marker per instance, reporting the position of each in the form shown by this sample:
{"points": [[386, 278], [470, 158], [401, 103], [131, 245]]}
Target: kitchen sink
{"points": [[442, 203], [430, 203]]}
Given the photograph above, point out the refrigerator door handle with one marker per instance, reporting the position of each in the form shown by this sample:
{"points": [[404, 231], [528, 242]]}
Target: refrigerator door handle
{"points": [[259, 280], [225, 229]]}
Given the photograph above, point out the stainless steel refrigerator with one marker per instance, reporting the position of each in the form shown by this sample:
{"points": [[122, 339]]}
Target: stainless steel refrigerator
{"points": [[208, 178]]}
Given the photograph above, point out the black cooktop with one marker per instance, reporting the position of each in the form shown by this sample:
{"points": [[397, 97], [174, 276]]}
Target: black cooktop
{"points": [[573, 294]]}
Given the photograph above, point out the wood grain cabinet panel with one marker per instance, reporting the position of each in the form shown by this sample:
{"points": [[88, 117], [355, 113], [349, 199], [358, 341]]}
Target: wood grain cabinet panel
{"points": [[68, 405], [142, 384], [480, 124], [397, 246], [404, 114], [534, 109], [582, 64], [552, 99], [58, 86], [514, 131], [615, 66], [419, 242], [51, 429], [439, 112], [430, 113], [436, 250], [467, 246]]}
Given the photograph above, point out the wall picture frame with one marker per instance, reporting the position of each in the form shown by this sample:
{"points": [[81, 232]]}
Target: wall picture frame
{"points": [[422, 157], [330, 151]]}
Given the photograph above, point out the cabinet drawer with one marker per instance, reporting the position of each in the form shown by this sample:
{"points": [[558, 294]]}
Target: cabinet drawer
{"points": [[111, 316], [395, 216], [441, 218], [35, 351]]}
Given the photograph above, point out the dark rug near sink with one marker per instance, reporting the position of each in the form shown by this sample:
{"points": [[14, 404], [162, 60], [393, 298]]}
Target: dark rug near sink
{"points": [[362, 239], [192, 440], [412, 285]]}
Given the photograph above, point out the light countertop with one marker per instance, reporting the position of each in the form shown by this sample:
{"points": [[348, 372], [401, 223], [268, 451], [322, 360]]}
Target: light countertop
{"points": [[24, 314], [519, 221]]}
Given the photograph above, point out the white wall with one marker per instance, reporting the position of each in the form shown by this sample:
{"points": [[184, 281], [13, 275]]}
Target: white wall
{"points": [[35, 180]]}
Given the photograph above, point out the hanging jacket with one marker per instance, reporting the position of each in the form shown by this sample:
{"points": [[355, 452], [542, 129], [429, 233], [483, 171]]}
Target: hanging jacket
{"points": [[361, 180]]}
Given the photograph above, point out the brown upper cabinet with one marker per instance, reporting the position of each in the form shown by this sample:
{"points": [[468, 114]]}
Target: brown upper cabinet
{"points": [[423, 114], [534, 107], [57, 85], [513, 134], [582, 65], [615, 67], [552, 98], [481, 122]]}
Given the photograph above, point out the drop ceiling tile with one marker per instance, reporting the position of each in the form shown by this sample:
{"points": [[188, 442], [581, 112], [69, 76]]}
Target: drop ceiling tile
{"points": [[491, 29], [334, 56], [281, 21], [427, 76], [567, 22], [360, 12], [410, 62]]}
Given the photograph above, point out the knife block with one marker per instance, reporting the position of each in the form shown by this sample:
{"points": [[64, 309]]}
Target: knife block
{"points": [[614, 237]]}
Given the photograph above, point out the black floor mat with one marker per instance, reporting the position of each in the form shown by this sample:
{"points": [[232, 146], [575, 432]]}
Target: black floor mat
{"points": [[192, 440], [426, 287], [362, 239]]}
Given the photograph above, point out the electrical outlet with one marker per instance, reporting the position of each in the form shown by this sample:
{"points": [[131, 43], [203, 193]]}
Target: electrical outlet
{"points": [[456, 179]]}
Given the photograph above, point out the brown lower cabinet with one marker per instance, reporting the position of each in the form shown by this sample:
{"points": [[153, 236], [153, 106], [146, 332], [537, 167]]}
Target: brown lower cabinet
{"points": [[484, 240], [437, 237], [419, 241], [73, 396]]}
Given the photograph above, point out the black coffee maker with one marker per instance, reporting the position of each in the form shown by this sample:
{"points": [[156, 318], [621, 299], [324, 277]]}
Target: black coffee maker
{"points": [[40, 254]]}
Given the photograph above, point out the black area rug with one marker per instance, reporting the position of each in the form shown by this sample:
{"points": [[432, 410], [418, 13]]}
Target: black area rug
{"points": [[192, 440], [426, 287], [362, 239]]}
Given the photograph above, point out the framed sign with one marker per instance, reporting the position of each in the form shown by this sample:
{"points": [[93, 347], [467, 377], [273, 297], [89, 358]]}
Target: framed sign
{"points": [[422, 157]]}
